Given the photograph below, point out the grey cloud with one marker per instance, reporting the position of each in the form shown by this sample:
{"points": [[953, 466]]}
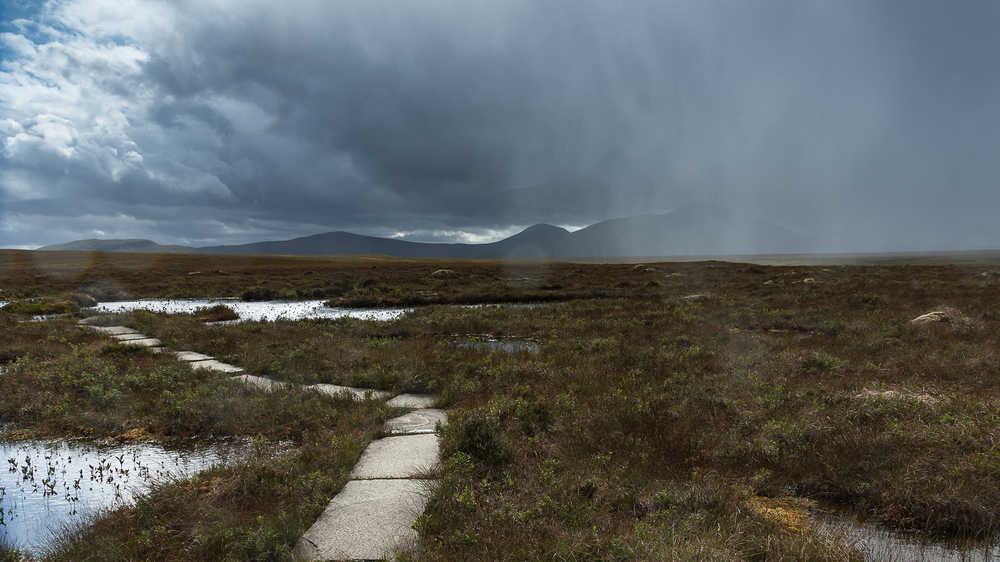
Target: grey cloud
{"points": [[861, 123]]}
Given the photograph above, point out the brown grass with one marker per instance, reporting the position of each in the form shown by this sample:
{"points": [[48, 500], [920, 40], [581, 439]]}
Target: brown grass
{"points": [[648, 425]]}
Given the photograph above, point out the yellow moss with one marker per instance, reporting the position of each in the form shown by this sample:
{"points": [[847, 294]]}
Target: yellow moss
{"points": [[135, 434], [786, 514], [18, 435]]}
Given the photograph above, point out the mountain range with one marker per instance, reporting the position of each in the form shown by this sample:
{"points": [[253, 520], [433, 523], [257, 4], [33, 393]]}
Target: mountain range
{"points": [[696, 229]]}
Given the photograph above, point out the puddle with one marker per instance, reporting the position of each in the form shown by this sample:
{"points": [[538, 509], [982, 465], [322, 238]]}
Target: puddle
{"points": [[881, 544], [497, 344], [269, 310], [46, 486]]}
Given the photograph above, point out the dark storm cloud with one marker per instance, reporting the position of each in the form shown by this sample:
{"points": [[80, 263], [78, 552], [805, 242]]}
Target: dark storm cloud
{"points": [[873, 125]]}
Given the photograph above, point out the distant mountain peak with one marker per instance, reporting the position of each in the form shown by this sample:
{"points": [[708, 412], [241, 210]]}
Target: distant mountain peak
{"points": [[697, 228]]}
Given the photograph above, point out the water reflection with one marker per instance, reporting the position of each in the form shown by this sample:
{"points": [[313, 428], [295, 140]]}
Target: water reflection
{"points": [[266, 311], [46, 486], [880, 544]]}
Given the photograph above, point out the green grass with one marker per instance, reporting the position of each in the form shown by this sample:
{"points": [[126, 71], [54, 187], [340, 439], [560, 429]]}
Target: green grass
{"points": [[647, 426]]}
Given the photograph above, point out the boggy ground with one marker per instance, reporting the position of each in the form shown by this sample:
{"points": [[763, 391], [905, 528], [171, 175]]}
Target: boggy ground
{"points": [[673, 411]]}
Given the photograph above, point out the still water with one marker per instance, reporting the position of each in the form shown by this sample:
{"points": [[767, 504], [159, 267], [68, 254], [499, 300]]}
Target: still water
{"points": [[269, 310], [880, 544], [47, 486]]}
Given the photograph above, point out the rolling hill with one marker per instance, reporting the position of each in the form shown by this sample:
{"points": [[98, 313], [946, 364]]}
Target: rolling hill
{"points": [[697, 229]]}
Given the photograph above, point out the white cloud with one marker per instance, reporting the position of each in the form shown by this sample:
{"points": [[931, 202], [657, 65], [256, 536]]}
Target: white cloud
{"points": [[79, 101], [469, 236]]}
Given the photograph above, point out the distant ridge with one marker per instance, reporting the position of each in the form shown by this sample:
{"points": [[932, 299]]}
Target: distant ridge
{"points": [[696, 229], [130, 245]]}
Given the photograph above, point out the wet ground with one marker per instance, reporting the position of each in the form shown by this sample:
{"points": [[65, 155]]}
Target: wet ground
{"points": [[881, 544], [46, 487]]}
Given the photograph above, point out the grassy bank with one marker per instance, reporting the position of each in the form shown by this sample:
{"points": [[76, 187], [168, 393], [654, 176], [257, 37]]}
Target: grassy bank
{"points": [[672, 411]]}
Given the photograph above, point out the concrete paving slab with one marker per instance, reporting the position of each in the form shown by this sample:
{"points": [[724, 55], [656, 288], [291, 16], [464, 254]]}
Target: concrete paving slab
{"points": [[413, 401], [406, 456], [368, 520], [191, 356], [262, 383], [113, 330], [127, 337], [213, 365], [359, 393], [417, 421], [145, 342]]}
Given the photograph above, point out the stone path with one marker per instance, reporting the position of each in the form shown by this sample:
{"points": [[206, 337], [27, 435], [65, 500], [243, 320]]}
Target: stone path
{"points": [[372, 517]]}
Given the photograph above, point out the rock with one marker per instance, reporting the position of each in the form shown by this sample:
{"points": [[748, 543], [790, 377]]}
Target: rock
{"points": [[938, 316], [443, 273], [697, 297], [808, 280]]}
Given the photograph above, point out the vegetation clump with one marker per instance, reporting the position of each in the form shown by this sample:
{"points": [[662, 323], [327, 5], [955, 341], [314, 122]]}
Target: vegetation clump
{"points": [[216, 313]]}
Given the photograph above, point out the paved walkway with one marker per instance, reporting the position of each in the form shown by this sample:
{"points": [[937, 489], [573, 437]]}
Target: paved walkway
{"points": [[372, 516]]}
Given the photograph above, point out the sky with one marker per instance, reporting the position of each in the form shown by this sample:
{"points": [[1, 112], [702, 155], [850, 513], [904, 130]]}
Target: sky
{"points": [[874, 126]]}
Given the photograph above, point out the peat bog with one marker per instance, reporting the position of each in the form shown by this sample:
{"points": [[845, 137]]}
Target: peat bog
{"points": [[674, 410]]}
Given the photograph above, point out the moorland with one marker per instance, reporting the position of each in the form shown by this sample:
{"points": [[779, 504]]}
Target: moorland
{"points": [[670, 410]]}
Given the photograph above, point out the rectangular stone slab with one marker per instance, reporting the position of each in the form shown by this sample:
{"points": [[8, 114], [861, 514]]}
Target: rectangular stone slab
{"points": [[213, 365], [368, 520], [127, 337], [412, 401], [417, 421], [114, 330], [260, 382], [359, 393], [145, 342], [191, 356], [406, 456]]}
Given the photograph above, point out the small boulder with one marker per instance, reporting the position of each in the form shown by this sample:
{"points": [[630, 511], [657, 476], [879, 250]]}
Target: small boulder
{"points": [[697, 297], [443, 273], [938, 316]]}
